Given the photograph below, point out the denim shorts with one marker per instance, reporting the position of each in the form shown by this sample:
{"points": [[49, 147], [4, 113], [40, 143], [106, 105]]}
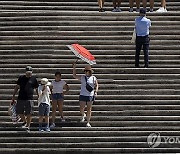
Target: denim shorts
{"points": [[57, 97], [24, 107], [86, 98], [44, 109]]}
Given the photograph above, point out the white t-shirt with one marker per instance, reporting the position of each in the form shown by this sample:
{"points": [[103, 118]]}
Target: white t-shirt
{"points": [[91, 81], [44, 95], [57, 87]]}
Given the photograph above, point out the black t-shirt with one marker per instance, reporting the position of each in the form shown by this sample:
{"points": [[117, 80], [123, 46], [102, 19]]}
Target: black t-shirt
{"points": [[27, 86]]}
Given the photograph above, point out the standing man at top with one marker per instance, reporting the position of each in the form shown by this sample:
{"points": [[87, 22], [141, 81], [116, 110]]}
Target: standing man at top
{"points": [[142, 26], [25, 85]]}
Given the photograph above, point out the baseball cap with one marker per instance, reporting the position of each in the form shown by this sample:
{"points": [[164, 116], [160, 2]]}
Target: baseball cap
{"points": [[28, 69]]}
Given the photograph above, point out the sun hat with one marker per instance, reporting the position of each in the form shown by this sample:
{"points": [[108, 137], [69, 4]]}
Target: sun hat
{"points": [[45, 81], [88, 68]]}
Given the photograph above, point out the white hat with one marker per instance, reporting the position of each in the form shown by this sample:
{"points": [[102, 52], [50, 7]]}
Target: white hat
{"points": [[44, 81]]}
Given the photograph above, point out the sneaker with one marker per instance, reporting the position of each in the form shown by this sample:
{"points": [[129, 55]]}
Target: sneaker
{"points": [[114, 10], [47, 129], [161, 9], [41, 130], [88, 125], [83, 118], [28, 129], [63, 120], [151, 10], [101, 10], [137, 10], [118, 9], [23, 125], [131, 10], [52, 125]]}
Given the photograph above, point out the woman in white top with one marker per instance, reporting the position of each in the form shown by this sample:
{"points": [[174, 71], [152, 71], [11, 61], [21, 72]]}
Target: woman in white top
{"points": [[87, 95], [57, 90]]}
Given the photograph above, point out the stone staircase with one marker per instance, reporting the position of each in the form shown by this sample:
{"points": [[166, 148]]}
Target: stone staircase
{"points": [[131, 104]]}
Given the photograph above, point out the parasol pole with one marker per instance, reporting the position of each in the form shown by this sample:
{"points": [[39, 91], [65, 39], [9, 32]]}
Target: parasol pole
{"points": [[76, 60]]}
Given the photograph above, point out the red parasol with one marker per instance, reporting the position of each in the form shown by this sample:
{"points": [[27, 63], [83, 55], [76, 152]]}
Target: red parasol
{"points": [[82, 53]]}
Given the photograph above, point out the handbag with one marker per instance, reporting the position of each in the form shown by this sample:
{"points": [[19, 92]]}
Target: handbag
{"points": [[88, 87], [12, 113]]}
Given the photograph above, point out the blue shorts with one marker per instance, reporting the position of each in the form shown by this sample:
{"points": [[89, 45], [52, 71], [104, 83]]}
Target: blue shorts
{"points": [[86, 98], [44, 109], [57, 97]]}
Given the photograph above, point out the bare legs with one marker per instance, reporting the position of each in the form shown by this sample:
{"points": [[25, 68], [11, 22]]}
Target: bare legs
{"points": [[151, 4], [131, 3], [88, 114], [101, 5], [56, 104]]}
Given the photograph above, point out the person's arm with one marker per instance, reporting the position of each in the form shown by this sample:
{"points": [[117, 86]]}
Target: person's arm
{"points": [[15, 92], [74, 72], [41, 92], [96, 87], [51, 88], [66, 87], [36, 85], [133, 39]]}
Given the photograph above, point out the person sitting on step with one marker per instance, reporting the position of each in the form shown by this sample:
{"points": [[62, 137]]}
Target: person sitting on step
{"points": [[101, 5], [163, 6], [116, 5], [44, 104], [57, 89]]}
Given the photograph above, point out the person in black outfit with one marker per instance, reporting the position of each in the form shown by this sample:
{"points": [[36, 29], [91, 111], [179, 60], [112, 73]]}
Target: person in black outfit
{"points": [[25, 85]]}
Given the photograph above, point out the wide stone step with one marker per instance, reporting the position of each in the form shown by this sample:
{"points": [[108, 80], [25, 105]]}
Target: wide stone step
{"points": [[85, 18], [143, 128], [10, 13], [89, 150], [83, 145], [172, 112], [110, 118], [112, 102], [54, 29], [115, 97], [89, 47], [82, 23], [160, 53], [72, 8], [32, 134], [89, 42]]}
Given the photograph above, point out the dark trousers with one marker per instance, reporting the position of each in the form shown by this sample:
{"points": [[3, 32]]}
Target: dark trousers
{"points": [[142, 41]]}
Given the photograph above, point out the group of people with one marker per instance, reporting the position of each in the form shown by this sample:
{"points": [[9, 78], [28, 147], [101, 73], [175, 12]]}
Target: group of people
{"points": [[117, 5], [55, 90]]}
